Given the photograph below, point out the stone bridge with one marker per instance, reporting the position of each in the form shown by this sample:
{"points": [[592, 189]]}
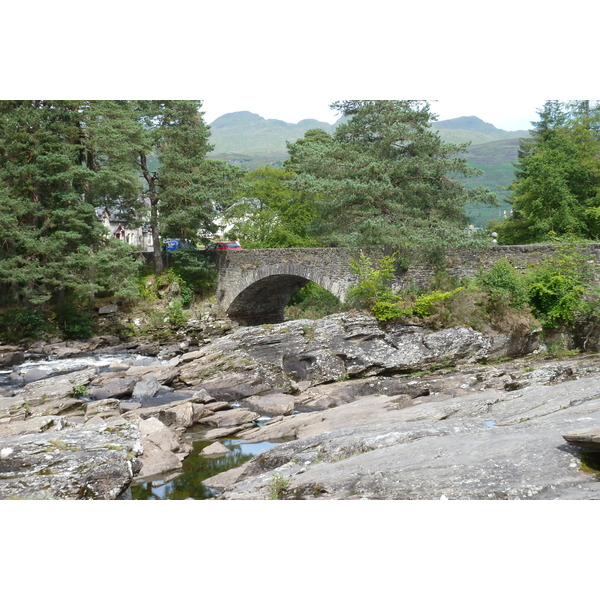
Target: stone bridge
{"points": [[255, 286]]}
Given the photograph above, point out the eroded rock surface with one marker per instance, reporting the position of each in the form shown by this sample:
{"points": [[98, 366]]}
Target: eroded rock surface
{"points": [[95, 461], [373, 412], [478, 444]]}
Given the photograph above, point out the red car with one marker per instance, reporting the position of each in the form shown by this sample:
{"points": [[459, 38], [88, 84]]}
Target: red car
{"points": [[224, 246]]}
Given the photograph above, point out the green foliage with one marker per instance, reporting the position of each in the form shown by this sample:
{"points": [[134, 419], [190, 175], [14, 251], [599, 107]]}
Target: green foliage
{"points": [[312, 302], [422, 306], [557, 181], [56, 168], [18, 324], [269, 214], [74, 323], [196, 272], [277, 486], [79, 391], [384, 178], [557, 288], [374, 282], [503, 284], [391, 311], [175, 314]]}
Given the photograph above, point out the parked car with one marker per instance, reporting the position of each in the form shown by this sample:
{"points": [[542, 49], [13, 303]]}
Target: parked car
{"points": [[224, 246], [173, 244]]}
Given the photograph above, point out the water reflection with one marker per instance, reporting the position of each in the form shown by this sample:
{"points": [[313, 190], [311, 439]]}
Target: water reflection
{"points": [[197, 468]]}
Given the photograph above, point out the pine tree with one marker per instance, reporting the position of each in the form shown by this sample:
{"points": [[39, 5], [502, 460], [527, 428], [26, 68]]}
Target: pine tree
{"points": [[185, 189], [51, 243], [556, 190], [385, 178]]}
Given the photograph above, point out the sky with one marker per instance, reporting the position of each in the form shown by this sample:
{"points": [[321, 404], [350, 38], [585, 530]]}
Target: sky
{"points": [[510, 115], [290, 62]]}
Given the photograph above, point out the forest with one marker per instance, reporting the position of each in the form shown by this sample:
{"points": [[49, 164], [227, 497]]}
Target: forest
{"points": [[383, 178]]}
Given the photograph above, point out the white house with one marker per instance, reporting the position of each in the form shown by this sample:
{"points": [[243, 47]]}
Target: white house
{"points": [[117, 226]]}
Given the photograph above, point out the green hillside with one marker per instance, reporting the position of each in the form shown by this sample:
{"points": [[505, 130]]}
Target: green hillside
{"points": [[250, 141]]}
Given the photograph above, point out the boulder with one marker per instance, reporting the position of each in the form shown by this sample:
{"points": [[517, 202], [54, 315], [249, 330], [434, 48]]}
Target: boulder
{"points": [[108, 309], [164, 374], [230, 418], [32, 425], [108, 407], [159, 434], [62, 406], [11, 356], [272, 404], [148, 387], [215, 449], [34, 374], [307, 353], [118, 387], [227, 432], [87, 462], [161, 448], [157, 462]]}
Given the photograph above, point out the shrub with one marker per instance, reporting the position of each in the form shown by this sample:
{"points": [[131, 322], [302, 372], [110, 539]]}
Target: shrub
{"points": [[194, 268], [17, 324], [74, 324], [312, 302], [504, 284], [374, 282], [422, 306], [557, 288], [390, 311], [175, 313]]}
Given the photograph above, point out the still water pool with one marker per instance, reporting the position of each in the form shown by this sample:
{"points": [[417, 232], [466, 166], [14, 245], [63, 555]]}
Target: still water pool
{"points": [[197, 468]]}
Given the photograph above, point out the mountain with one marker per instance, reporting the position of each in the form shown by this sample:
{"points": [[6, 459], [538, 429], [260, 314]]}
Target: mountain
{"points": [[493, 151], [249, 140], [474, 130]]}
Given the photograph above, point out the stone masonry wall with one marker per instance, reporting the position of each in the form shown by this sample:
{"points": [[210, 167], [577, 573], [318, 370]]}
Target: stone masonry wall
{"points": [[330, 267], [467, 262]]}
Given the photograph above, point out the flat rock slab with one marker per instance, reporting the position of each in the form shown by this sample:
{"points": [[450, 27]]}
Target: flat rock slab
{"points": [[272, 404], [488, 445], [585, 439], [229, 418]]}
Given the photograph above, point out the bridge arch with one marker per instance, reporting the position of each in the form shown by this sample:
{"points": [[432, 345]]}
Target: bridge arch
{"points": [[260, 295]]}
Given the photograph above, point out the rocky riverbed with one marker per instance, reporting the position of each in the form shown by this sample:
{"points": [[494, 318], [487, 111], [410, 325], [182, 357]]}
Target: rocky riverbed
{"points": [[362, 411]]}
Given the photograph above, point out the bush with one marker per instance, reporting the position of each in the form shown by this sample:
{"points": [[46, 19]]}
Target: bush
{"points": [[374, 282], [194, 268], [312, 302], [74, 324], [176, 315], [558, 288], [504, 284], [422, 306], [18, 324]]}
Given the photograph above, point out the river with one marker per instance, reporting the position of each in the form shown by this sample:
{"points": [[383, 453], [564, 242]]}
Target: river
{"points": [[186, 484]]}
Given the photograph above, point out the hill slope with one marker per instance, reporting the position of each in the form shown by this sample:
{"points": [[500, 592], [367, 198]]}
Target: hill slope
{"points": [[251, 141]]}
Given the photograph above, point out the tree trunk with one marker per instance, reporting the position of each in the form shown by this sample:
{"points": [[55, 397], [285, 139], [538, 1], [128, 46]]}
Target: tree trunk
{"points": [[154, 225], [158, 261]]}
